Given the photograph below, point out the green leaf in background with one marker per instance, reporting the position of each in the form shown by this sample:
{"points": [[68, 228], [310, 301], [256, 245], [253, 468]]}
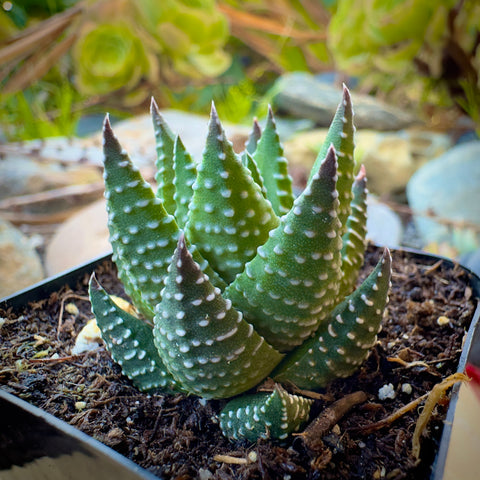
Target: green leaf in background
{"points": [[43, 110], [406, 47], [7, 24]]}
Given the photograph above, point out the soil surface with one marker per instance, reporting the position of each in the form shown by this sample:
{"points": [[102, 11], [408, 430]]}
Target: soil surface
{"points": [[178, 437]]}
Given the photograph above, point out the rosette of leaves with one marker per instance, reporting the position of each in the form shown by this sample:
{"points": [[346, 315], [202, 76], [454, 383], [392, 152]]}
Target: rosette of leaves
{"points": [[109, 56], [234, 279], [191, 34]]}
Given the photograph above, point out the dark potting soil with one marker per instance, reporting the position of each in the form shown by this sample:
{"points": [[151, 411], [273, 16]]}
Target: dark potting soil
{"points": [[178, 437]]}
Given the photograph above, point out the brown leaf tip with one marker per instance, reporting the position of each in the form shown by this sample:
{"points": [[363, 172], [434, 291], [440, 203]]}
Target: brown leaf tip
{"points": [[109, 139], [362, 174]]}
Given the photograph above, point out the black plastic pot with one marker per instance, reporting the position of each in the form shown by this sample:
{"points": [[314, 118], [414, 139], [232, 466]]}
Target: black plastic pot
{"points": [[19, 416], [35, 445]]}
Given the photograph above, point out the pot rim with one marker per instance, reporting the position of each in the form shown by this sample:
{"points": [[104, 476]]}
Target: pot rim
{"points": [[33, 425]]}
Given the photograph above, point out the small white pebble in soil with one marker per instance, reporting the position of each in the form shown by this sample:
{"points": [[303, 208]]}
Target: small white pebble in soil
{"points": [[72, 309], [204, 474], [88, 339], [441, 321], [252, 456], [129, 421], [202, 401], [80, 405], [361, 444], [387, 391], [407, 388], [380, 472]]}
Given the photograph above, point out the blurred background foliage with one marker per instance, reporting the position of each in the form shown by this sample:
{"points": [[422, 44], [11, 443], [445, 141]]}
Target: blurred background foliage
{"points": [[63, 59]]}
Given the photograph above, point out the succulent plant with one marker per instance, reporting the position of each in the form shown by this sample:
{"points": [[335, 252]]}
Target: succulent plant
{"points": [[102, 70], [234, 279]]}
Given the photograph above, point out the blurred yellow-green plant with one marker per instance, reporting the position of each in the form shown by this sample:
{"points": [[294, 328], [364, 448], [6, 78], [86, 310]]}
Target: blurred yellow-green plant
{"points": [[127, 50], [117, 53], [420, 50], [107, 57]]}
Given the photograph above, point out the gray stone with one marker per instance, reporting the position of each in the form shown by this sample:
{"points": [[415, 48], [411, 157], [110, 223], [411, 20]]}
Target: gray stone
{"points": [[23, 175], [303, 96], [60, 150], [389, 157], [20, 265], [82, 237], [384, 226], [136, 136], [471, 260], [445, 195]]}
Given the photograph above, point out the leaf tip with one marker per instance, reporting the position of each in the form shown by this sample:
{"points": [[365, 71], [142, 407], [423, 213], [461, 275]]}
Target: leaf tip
{"points": [[154, 107], [181, 245], [362, 174], [387, 256], [93, 282], [109, 139], [213, 111], [331, 157], [257, 129], [214, 124], [107, 126]]}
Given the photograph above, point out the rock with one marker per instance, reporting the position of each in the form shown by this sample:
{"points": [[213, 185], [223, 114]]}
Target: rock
{"points": [[135, 134], [471, 260], [384, 226], [24, 175], [302, 95], [448, 189], [61, 150], [89, 338], [20, 265], [83, 237], [389, 158]]}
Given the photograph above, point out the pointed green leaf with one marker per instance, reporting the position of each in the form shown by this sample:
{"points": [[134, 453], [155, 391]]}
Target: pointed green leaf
{"points": [[130, 342], [250, 163], [253, 138], [203, 341], [354, 239], [142, 234], [340, 134], [229, 217], [264, 415], [164, 139], [290, 285], [185, 174], [342, 343], [273, 168]]}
